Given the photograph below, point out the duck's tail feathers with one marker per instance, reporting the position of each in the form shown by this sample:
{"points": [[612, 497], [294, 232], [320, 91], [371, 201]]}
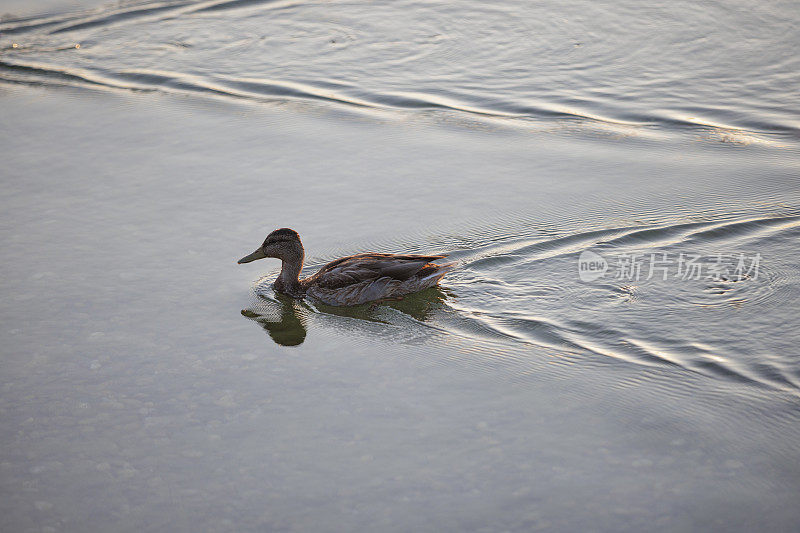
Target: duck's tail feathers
{"points": [[432, 273]]}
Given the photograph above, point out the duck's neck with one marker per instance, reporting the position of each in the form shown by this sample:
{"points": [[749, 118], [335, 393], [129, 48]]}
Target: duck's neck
{"points": [[289, 278]]}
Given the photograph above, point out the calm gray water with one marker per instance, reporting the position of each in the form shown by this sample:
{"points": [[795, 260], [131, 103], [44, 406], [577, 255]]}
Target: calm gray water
{"points": [[149, 383]]}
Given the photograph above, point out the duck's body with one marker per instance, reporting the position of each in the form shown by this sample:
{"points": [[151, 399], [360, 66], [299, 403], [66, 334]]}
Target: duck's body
{"points": [[351, 280]]}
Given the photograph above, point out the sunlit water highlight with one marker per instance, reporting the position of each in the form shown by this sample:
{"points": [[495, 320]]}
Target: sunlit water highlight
{"points": [[624, 69]]}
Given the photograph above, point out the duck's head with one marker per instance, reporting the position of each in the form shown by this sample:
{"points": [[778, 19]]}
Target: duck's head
{"points": [[282, 243]]}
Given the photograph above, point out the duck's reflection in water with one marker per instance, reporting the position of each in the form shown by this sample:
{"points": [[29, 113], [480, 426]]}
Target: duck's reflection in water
{"points": [[283, 318], [286, 319]]}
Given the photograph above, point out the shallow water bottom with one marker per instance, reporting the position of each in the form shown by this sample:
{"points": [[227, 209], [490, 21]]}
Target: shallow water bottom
{"points": [[146, 386]]}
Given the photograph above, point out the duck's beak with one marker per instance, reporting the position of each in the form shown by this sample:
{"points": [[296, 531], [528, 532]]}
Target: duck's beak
{"points": [[258, 254]]}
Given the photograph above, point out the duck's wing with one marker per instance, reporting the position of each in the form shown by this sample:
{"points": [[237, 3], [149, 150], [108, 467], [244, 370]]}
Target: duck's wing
{"points": [[364, 277], [365, 267]]}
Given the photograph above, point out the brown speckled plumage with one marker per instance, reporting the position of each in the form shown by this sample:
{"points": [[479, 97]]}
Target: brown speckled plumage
{"points": [[351, 280]]}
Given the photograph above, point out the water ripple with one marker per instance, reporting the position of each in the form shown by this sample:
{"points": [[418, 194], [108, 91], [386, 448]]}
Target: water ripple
{"points": [[510, 65], [525, 291]]}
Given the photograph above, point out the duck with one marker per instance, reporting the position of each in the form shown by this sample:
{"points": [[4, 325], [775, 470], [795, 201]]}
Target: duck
{"points": [[351, 280]]}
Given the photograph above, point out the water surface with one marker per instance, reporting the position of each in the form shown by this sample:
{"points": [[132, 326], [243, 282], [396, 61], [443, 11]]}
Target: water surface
{"points": [[150, 383]]}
